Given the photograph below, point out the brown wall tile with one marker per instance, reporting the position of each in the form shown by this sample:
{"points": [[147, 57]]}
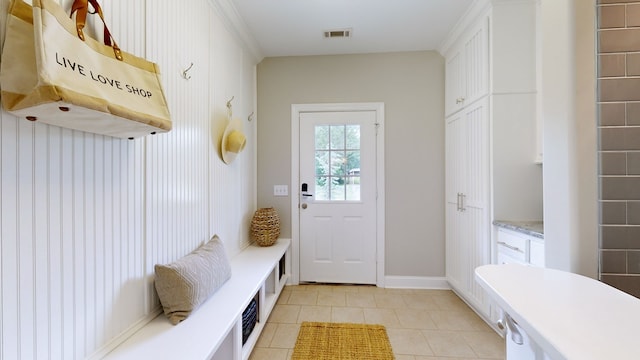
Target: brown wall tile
{"points": [[619, 40], [633, 15], [633, 64], [612, 114], [626, 283], [633, 113], [620, 237], [611, 65], [612, 16], [613, 213], [614, 262], [620, 188], [615, 1], [613, 163], [620, 89], [619, 142], [633, 212], [619, 138], [633, 262], [633, 163]]}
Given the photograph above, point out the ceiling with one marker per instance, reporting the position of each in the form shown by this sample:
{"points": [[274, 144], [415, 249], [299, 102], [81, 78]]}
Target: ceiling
{"points": [[296, 27]]}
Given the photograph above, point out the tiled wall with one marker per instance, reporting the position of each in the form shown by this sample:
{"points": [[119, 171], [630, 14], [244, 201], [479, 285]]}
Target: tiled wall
{"points": [[619, 149]]}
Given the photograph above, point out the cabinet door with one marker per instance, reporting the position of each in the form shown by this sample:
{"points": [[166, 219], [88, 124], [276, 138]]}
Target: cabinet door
{"points": [[476, 63], [536, 253], [456, 266], [467, 194], [475, 200], [454, 82], [455, 172], [467, 70]]}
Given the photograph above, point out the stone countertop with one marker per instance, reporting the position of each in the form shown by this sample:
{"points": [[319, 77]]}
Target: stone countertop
{"points": [[533, 228]]}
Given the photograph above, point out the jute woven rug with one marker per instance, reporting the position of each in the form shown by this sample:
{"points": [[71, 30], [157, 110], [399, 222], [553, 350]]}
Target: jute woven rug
{"points": [[342, 341]]}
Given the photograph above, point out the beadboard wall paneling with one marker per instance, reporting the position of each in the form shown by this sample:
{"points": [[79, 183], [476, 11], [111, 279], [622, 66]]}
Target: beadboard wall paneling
{"points": [[177, 206], [233, 80], [69, 248], [85, 217]]}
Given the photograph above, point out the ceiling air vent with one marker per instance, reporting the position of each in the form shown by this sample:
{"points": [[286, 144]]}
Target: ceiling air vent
{"points": [[339, 33]]}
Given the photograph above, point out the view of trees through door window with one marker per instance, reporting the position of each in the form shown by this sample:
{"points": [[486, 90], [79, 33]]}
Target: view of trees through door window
{"points": [[337, 152]]}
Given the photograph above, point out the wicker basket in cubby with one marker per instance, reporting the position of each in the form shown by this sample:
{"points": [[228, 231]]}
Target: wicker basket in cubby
{"points": [[265, 226]]}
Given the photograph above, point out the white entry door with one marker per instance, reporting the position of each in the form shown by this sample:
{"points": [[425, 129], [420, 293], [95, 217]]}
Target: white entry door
{"points": [[338, 197]]}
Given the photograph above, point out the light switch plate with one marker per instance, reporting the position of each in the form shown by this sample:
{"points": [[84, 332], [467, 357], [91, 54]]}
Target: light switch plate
{"points": [[280, 190]]}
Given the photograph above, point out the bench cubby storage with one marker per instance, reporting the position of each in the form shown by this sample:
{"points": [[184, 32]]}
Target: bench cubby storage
{"points": [[249, 319], [214, 330]]}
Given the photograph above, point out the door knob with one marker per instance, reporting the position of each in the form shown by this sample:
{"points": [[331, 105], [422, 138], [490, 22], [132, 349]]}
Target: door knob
{"points": [[303, 205]]}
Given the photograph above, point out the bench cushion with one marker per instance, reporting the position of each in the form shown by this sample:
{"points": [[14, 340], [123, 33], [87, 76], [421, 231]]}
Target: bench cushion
{"points": [[189, 281]]}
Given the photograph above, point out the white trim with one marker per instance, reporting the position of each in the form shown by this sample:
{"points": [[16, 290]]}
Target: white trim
{"points": [[417, 282], [296, 109], [467, 19], [236, 25], [107, 348]]}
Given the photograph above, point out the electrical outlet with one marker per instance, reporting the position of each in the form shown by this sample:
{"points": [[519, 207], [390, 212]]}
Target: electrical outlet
{"points": [[280, 190]]}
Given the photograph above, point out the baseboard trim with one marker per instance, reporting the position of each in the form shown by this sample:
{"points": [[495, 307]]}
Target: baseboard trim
{"points": [[416, 282]]}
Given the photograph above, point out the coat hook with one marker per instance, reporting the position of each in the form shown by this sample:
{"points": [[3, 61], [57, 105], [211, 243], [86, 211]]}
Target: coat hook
{"points": [[184, 73], [229, 109], [250, 117]]}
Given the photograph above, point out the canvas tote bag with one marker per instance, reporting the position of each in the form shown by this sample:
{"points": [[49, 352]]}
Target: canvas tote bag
{"points": [[52, 72]]}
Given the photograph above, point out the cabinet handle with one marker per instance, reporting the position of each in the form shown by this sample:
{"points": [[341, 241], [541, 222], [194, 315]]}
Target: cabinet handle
{"points": [[460, 202], [459, 100], [514, 248]]}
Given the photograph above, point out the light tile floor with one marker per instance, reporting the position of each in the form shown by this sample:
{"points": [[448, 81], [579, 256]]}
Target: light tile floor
{"points": [[421, 324]]}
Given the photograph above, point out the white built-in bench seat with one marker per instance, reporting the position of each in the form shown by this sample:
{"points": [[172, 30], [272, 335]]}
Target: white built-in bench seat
{"points": [[214, 330]]}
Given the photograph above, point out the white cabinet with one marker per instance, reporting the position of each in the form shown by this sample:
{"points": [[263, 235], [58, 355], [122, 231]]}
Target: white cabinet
{"points": [[467, 163], [466, 69], [536, 252], [467, 194], [489, 104], [511, 248], [516, 247]]}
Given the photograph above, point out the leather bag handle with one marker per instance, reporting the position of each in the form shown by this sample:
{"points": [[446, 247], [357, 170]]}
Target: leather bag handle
{"points": [[81, 8]]}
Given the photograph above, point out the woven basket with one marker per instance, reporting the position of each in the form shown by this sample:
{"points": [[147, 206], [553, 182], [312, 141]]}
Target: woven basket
{"points": [[265, 226]]}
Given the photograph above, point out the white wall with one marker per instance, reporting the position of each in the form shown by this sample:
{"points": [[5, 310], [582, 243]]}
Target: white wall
{"points": [[411, 85], [516, 179], [84, 217], [568, 107]]}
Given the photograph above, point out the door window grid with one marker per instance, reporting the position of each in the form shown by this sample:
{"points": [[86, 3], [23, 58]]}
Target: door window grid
{"points": [[337, 162]]}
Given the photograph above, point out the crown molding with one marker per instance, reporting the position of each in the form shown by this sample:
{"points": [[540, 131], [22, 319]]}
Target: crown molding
{"points": [[236, 25], [475, 9]]}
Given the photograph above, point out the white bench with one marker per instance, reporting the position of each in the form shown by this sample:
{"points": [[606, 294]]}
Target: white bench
{"points": [[214, 330]]}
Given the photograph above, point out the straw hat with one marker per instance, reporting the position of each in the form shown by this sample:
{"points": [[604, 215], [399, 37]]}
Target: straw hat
{"points": [[233, 141]]}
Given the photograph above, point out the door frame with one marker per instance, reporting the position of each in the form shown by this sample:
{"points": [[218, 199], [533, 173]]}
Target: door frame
{"points": [[296, 109]]}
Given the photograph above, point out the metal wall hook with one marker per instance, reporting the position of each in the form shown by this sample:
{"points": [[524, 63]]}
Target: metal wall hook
{"points": [[184, 72], [229, 109], [250, 117]]}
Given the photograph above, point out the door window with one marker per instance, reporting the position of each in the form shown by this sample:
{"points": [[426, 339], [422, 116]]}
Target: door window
{"points": [[337, 162]]}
